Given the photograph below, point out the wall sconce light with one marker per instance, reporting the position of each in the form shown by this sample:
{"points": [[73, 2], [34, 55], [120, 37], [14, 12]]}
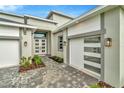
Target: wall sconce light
{"points": [[25, 43], [64, 43], [108, 42]]}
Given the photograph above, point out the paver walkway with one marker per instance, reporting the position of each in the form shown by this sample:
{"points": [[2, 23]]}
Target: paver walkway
{"points": [[54, 75]]}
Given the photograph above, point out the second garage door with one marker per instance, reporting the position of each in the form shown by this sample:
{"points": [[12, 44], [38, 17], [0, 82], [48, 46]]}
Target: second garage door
{"points": [[9, 53], [85, 54]]}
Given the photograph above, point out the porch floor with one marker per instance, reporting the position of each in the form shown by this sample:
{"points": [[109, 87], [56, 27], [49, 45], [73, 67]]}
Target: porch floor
{"points": [[54, 75]]}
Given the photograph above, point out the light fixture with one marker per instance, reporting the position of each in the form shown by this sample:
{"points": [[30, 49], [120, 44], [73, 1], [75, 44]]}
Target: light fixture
{"points": [[25, 43], [64, 43], [108, 42]]}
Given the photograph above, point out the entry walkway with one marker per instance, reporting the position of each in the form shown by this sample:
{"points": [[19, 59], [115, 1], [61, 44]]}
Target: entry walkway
{"points": [[54, 75]]}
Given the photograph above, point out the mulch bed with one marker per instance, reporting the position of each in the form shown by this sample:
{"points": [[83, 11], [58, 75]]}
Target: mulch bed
{"points": [[31, 67], [104, 85], [57, 59]]}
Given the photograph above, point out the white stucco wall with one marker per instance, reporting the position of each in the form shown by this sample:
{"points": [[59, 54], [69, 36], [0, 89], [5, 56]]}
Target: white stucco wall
{"points": [[13, 18], [42, 24], [121, 47], [60, 19], [9, 31], [27, 51], [91, 24], [111, 55], [56, 51]]}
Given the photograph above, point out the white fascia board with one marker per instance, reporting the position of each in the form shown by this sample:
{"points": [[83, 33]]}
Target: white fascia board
{"points": [[38, 18], [12, 14], [93, 12], [17, 25], [59, 13]]}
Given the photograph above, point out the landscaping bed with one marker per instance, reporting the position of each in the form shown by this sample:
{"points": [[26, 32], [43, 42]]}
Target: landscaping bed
{"points": [[101, 84], [57, 59], [30, 63]]}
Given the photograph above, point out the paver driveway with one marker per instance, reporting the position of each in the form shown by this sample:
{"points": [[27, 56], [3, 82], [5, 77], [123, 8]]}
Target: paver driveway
{"points": [[54, 75]]}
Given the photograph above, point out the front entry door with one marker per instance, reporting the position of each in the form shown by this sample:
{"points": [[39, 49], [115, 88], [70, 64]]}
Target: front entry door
{"points": [[40, 46]]}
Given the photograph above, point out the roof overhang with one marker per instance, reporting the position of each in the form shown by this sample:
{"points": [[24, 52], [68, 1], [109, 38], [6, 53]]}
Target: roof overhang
{"points": [[58, 13], [83, 17], [12, 14], [41, 19], [17, 25]]}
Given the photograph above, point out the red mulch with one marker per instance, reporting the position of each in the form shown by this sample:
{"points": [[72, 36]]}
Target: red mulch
{"points": [[31, 67], [104, 85]]}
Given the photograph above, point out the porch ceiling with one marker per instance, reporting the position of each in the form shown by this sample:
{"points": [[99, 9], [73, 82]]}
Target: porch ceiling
{"points": [[42, 30]]}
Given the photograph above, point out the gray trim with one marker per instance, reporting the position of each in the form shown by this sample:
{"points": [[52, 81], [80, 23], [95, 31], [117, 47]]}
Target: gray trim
{"points": [[102, 46], [50, 44], [98, 32], [25, 20], [68, 51], [9, 38], [47, 44], [20, 42]]}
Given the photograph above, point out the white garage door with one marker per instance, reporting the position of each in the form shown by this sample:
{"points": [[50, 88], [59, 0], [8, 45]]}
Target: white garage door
{"points": [[92, 55], [85, 54], [9, 53], [76, 53]]}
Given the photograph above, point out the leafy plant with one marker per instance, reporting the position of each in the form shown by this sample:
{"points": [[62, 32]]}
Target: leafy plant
{"points": [[30, 60], [37, 59], [95, 86], [25, 62]]}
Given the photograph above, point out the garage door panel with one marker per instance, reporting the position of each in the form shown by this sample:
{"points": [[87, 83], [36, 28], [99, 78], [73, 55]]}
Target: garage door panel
{"points": [[92, 54], [9, 53], [85, 54], [76, 52]]}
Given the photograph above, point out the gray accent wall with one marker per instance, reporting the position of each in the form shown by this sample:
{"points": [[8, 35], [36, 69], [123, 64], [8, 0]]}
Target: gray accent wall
{"points": [[111, 54]]}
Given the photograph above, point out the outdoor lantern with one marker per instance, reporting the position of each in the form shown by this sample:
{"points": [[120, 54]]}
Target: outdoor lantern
{"points": [[108, 42], [25, 43], [64, 43]]}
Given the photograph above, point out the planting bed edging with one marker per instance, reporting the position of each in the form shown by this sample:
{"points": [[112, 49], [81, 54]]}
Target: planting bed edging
{"points": [[31, 67]]}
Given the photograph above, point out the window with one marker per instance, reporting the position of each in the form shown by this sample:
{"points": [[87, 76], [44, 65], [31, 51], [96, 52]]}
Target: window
{"points": [[43, 50], [60, 43], [43, 43], [94, 69], [95, 39], [92, 59], [43, 40], [92, 47], [25, 32]]}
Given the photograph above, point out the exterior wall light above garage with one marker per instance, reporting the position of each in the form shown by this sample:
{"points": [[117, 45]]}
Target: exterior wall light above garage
{"points": [[108, 42]]}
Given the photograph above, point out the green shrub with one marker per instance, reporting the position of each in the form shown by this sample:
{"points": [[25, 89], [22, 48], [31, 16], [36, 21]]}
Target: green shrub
{"points": [[30, 60], [95, 86], [25, 62], [37, 59]]}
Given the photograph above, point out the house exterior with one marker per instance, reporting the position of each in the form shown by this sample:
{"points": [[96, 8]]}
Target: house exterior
{"points": [[92, 43]]}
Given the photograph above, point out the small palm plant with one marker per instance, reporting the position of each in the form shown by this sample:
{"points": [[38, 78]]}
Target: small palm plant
{"points": [[37, 59]]}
